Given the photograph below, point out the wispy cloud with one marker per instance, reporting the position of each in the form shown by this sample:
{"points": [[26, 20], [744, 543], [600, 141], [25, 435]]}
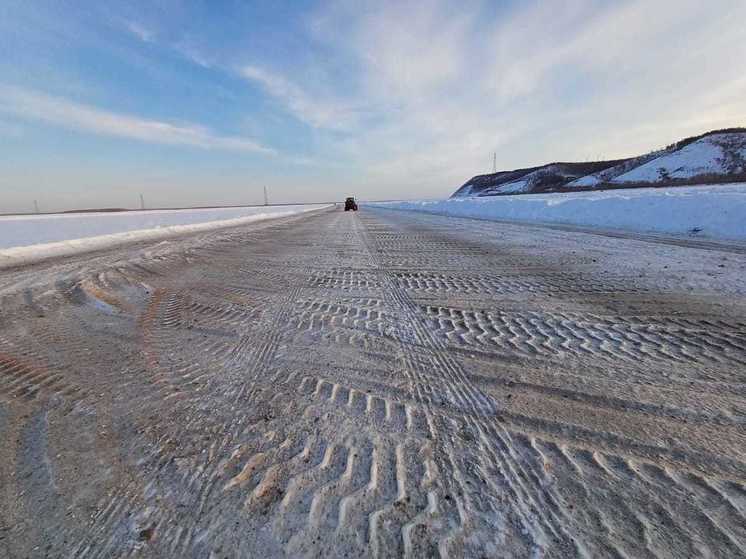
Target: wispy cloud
{"points": [[334, 114], [140, 31], [33, 105], [193, 54]]}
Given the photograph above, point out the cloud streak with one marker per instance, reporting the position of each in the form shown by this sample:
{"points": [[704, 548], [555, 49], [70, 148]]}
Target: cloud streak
{"points": [[333, 114], [140, 31], [33, 105]]}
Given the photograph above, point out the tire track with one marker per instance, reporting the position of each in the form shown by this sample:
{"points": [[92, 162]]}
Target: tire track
{"points": [[453, 382], [610, 337]]}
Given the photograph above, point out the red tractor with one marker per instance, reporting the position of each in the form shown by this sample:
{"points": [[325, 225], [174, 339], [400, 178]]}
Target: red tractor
{"points": [[350, 204]]}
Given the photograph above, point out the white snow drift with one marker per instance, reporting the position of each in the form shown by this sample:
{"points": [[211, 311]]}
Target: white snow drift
{"points": [[717, 211], [29, 238]]}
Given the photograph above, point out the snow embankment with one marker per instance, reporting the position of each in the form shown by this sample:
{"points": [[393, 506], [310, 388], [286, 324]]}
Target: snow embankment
{"points": [[717, 211], [31, 238]]}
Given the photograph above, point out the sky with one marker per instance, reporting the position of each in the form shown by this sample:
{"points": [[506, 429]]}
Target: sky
{"points": [[206, 103]]}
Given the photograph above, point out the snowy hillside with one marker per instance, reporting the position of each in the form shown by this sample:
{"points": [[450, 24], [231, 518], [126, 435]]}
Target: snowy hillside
{"points": [[718, 156], [533, 181], [530, 180], [608, 175]]}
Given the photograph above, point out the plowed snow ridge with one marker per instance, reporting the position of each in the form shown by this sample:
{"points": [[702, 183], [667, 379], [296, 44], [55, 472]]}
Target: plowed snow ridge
{"points": [[717, 212]]}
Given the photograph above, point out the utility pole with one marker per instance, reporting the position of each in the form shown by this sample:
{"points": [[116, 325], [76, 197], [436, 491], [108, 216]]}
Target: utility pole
{"points": [[36, 206], [266, 200], [142, 202], [494, 162]]}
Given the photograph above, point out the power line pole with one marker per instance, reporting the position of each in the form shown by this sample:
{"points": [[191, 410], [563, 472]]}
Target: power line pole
{"points": [[266, 200], [36, 206], [142, 202], [494, 162]]}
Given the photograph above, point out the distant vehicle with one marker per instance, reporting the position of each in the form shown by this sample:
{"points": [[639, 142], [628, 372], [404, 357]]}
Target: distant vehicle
{"points": [[350, 204]]}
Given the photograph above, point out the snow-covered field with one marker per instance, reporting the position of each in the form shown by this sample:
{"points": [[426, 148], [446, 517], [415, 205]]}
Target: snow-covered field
{"points": [[28, 238], [710, 211]]}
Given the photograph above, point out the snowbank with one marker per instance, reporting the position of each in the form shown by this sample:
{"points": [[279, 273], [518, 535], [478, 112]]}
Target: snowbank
{"points": [[26, 239], [717, 211]]}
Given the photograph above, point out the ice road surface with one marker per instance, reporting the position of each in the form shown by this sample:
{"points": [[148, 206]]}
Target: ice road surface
{"points": [[376, 384], [709, 211]]}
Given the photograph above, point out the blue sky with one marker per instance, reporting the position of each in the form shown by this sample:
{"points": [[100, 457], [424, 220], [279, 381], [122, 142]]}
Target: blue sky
{"points": [[201, 103]]}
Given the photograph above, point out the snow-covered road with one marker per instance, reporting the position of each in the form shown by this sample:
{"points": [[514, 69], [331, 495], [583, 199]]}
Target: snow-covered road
{"points": [[372, 384]]}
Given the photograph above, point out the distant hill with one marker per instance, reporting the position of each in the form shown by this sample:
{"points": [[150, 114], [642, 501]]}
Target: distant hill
{"points": [[714, 157]]}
